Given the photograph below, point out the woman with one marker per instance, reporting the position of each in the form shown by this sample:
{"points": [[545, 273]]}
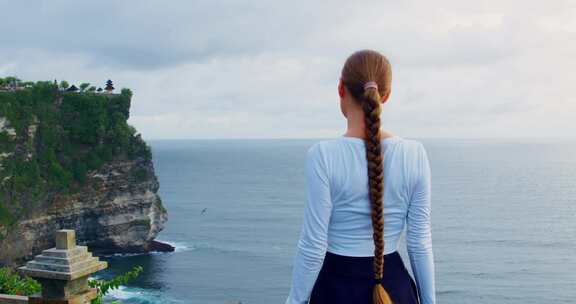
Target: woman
{"points": [[363, 188]]}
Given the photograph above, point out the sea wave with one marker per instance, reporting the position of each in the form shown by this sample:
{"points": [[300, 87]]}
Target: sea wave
{"points": [[131, 295]]}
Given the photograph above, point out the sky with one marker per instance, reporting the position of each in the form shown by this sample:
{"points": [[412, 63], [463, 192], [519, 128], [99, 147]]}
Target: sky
{"points": [[270, 69]]}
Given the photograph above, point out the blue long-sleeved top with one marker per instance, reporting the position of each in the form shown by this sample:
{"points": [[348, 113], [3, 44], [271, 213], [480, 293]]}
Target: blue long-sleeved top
{"points": [[337, 210]]}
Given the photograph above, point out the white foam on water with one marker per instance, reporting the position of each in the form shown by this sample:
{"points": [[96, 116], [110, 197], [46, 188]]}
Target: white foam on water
{"points": [[138, 295], [124, 254], [123, 293]]}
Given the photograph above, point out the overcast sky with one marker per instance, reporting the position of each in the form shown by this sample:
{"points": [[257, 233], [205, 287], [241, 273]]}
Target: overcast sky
{"points": [[269, 69]]}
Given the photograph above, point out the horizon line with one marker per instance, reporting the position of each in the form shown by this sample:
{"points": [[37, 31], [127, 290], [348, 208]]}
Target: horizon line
{"points": [[321, 138]]}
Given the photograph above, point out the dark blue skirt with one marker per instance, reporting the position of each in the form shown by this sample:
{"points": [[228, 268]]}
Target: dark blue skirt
{"points": [[346, 280]]}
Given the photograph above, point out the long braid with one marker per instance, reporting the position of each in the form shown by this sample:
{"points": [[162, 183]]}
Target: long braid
{"points": [[363, 68], [375, 161], [375, 176]]}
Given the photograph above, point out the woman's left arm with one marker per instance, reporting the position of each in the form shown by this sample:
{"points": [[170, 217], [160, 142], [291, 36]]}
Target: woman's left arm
{"points": [[313, 236], [419, 230]]}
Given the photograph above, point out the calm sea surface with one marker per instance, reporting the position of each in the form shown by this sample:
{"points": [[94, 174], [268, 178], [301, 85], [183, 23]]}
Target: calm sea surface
{"points": [[503, 212]]}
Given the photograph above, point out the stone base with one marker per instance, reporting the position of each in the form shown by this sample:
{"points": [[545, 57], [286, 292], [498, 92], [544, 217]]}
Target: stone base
{"points": [[82, 298], [12, 299], [60, 289]]}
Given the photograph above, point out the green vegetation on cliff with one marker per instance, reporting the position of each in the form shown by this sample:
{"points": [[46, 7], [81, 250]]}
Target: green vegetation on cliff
{"points": [[50, 138]]}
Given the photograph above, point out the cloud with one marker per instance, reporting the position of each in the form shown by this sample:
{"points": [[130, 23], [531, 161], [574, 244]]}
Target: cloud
{"points": [[245, 69]]}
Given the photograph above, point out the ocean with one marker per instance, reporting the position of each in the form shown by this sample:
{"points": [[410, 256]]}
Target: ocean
{"points": [[503, 222]]}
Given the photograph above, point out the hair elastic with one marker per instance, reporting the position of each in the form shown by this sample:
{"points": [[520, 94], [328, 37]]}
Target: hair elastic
{"points": [[370, 84]]}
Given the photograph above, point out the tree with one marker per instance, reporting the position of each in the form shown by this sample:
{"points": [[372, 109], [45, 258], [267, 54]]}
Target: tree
{"points": [[64, 85], [11, 80], [109, 86], [126, 92], [84, 86], [73, 88], [99, 90], [92, 89]]}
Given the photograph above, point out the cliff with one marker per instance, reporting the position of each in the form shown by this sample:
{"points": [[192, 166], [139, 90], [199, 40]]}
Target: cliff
{"points": [[69, 160]]}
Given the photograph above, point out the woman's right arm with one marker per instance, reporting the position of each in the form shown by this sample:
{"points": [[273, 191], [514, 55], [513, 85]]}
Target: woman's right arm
{"points": [[314, 234], [418, 234]]}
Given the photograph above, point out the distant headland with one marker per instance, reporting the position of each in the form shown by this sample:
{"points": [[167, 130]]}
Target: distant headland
{"points": [[70, 160]]}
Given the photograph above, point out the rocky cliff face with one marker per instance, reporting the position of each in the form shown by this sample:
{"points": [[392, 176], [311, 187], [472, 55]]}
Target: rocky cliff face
{"points": [[71, 161], [119, 211]]}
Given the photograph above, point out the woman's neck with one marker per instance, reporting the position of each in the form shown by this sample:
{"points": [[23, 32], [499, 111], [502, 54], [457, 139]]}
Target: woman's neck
{"points": [[357, 130]]}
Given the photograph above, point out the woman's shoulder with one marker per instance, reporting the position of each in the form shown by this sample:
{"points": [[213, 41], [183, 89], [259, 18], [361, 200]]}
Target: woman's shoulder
{"points": [[321, 147], [415, 151], [324, 143], [417, 158], [413, 145]]}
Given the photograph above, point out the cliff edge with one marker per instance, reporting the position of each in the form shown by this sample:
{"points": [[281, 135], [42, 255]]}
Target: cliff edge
{"points": [[69, 160]]}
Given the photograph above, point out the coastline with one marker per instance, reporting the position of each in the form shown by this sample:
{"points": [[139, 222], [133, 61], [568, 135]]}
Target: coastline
{"points": [[153, 246]]}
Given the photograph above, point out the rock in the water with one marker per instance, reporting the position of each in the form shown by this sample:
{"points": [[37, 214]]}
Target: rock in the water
{"points": [[161, 247]]}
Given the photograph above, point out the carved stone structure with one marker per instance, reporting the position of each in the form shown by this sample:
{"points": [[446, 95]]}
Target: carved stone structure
{"points": [[63, 272]]}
